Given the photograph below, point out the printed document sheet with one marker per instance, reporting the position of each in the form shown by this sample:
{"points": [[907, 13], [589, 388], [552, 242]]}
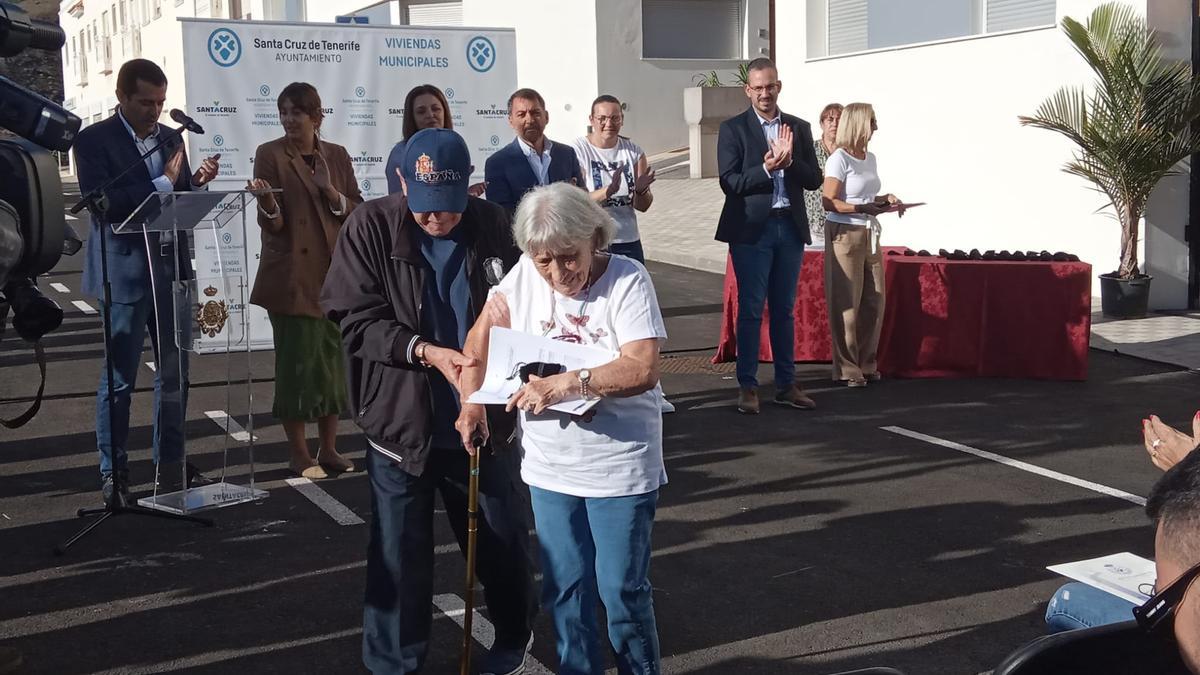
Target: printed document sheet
{"points": [[1120, 574], [508, 350]]}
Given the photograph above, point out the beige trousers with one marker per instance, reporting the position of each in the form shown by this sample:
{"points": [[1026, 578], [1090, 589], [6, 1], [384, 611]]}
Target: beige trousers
{"points": [[854, 296]]}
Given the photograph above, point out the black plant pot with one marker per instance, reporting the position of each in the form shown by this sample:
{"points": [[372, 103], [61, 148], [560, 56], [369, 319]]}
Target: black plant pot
{"points": [[1124, 298]]}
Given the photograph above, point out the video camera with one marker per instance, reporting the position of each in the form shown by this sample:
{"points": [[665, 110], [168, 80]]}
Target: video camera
{"points": [[33, 229]]}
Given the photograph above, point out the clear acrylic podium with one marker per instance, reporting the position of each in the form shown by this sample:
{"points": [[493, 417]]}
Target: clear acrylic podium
{"points": [[211, 301]]}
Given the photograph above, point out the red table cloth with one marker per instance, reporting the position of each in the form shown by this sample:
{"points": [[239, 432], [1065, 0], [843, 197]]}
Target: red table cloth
{"points": [[952, 318]]}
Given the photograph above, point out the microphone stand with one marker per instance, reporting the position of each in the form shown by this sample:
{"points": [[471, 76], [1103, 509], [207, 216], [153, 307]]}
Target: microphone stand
{"points": [[97, 203]]}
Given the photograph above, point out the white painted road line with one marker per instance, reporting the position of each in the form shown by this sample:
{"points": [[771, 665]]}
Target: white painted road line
{"points": [[1024, 466], [481, 629], [83, 307], [336, 510], [154, 368], [60, 288], [230, 425]]}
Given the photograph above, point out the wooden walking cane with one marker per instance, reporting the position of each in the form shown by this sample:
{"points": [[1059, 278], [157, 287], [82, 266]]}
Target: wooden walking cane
{"points": [[472, 530]]}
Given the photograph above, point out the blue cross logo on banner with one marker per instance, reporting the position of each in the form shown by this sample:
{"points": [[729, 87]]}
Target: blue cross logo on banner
{"points": [[227, 238], [360, 92], [481, 54], [224, 47], [264, 90], [366, 186], [450, 93], [495, 139], [218, 140]]}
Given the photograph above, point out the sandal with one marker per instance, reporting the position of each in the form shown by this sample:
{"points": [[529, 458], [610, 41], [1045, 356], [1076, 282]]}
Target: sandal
{"points": [[343, 466], [311, 472]]}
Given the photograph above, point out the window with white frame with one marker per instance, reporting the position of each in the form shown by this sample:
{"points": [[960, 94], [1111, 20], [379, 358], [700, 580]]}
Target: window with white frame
{"points": [[693, 29], [849, 26], [433, 14]]}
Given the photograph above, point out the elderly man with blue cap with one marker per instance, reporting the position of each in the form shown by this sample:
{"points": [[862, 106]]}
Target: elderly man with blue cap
{"points": [[406, 283]]}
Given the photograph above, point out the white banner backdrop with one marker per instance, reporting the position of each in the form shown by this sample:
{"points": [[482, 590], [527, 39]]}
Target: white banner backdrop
{"points": [[234, 71]]}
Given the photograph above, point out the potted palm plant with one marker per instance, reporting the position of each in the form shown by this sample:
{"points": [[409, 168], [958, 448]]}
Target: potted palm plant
{"points": [[1130, 131], [705, 106]]}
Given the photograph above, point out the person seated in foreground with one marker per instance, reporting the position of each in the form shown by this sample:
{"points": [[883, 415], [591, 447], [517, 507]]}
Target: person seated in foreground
{"points": [[1079, 605]]}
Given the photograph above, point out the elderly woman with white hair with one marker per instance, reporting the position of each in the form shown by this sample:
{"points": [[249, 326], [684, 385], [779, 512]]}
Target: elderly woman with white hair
{"points": [[593, 482]]}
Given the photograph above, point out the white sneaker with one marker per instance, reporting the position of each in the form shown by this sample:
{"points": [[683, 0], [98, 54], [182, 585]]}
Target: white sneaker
{"points": [[667, 407]]}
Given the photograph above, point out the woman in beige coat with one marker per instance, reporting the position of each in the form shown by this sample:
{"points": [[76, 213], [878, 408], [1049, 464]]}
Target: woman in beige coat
{"points": [[299, 230]]}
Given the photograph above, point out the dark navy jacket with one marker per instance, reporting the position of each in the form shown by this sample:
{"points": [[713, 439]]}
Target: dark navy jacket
{"points": [[101, 151], [748, 188], [509, 175]]}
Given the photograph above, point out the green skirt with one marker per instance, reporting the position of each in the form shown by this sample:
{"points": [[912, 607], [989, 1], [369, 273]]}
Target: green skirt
{"points": [[310, 371]]}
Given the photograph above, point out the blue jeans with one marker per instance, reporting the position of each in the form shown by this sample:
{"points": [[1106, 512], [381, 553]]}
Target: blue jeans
{"points": [[398, 612], [130, 323], [768, 270], [1077, 605], [598, 546], [629, 249]]}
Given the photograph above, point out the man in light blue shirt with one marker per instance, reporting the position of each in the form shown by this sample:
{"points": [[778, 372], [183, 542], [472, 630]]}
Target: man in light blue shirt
{"points": [[766, 161], [531, 159], [141, 274]]}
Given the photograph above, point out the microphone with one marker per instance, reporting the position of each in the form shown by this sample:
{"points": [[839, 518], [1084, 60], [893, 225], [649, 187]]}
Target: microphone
{"points": [[186, 122], [493, 271]]}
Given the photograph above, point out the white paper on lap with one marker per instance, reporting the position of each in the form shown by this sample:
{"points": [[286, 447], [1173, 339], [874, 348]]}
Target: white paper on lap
{"points": [[508, 350], [1119, 574]]}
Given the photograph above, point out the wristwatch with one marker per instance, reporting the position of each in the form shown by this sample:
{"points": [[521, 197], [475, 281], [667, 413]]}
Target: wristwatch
{"points": [[585, 378]]}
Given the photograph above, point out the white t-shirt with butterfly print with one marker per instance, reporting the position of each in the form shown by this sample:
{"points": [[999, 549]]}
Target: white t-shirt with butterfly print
{"points": [[619, 452]]}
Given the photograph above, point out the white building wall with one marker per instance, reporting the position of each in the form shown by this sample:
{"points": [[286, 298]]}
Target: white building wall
{"points": [[949, 136], [1166, 250], [556, 53], [386, 12], [653, 88], [151, 30]]}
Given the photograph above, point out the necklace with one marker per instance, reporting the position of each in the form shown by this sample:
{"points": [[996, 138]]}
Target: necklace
{"points": [[576, 324]]}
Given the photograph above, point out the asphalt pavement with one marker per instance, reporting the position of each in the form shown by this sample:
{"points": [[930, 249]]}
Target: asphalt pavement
{"points": [[859, 534]]}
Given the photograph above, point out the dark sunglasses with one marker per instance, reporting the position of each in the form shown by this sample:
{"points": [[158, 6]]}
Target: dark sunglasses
{"points": [[1157, 614]]}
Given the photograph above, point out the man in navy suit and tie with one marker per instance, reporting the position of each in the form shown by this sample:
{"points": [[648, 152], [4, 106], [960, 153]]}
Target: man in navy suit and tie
{"points": [[102, 151], [767, 161], [531, 159]]}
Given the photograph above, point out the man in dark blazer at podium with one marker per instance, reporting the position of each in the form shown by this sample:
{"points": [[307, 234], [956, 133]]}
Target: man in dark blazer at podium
{"points": [[531, 159], [766, 160], [102, 151]]}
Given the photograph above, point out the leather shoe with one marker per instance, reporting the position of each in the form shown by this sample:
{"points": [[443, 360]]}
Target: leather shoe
{"points": [[108, 491], [747, 402], [169, 477], [795, 397]]}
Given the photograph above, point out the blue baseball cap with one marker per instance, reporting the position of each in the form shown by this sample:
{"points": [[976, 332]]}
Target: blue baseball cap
{"points": [[436, 169]]}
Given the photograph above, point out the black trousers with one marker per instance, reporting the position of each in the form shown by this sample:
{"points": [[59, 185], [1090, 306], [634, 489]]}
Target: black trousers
{"points": [[398, 612]]}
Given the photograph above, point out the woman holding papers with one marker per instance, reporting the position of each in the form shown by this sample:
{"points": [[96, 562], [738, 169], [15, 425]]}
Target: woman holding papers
{"points": [[853, 264], [593, 480], [299, 228]]}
